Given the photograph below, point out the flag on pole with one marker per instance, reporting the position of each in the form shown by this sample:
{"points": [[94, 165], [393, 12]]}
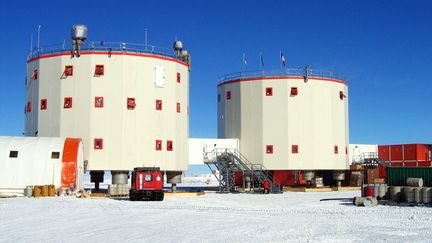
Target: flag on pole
{"points": [[262, 59], [244, 60], [282, 58]]}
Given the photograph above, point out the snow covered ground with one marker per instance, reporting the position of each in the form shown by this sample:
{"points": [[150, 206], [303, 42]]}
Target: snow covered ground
{"points": [[288, 217]]}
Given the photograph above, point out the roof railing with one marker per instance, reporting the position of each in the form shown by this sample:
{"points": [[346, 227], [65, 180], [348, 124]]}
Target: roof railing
{"points": [[102, 46], [295, 72]]}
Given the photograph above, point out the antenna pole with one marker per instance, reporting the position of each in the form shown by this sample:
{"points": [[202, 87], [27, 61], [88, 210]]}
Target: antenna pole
{"points": [[31, 42], [145, 31], [38, 42]]}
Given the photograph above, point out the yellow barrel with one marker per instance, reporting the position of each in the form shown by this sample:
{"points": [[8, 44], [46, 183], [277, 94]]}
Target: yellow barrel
{"points": [[51, 191], [45, 191], [37, 192]]}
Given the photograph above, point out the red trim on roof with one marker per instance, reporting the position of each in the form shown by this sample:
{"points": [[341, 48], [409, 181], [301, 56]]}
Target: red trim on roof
{"points": [[106, 53], [280, 77]]}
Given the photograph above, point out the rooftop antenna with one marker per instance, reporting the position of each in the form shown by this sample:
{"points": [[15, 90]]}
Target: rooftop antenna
{"points": [[31, 42], [38, 41], [145, 36]]}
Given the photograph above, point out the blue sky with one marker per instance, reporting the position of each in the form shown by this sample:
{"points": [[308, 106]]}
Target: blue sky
{"points": [[384, 48]]}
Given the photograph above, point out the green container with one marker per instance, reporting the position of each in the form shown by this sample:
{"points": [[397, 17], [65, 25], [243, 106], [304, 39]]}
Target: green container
{"points": [[397, 176]]}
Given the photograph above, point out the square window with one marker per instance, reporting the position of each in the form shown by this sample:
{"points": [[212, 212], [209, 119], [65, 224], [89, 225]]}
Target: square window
{"points": [[98, 143], [67, 103], [342, 96], [269, 149], [159, 105], [336, 149], [28, 106], [178, 78], [148, 177], [294, 91], [269, 91], [294, 149], [219, 98], [158, 145], [178, 107], [99, 70], [35, 74], [44, 104], [170, 145], [99, 102], [68, 71], [131, 103], [55, 155], [228, 95], [13, 154]]}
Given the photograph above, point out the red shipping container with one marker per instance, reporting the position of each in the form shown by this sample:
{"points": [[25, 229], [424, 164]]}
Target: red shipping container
{"points": [[396, 152], [384, 152]]}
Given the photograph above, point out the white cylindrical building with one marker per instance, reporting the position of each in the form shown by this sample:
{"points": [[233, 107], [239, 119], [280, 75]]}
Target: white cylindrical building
{"points": [[290, 119], [129, 103]]}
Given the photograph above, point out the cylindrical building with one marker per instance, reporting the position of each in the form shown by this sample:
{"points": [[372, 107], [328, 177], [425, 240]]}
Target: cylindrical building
{"points": [[290, 119], [129, 103]]}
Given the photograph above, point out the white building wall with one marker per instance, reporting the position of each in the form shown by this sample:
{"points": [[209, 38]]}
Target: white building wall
{"points": [[316, 120], [357, 151], [129, 136]]}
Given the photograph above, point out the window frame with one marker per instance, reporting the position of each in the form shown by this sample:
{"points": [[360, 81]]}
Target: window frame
{"points": [[13, 154], [96, 103], [55, 155], [294, 91], [178, 107], [157, 105], [269, 149], [170, 145], [178, 77], [294, 149], [130, 103], [96, 140], [29, 106], [68, 71], [70, 103], [158, 145], [336, 149], [267, 93], [45, 107], [228, 95], [99, 70]]}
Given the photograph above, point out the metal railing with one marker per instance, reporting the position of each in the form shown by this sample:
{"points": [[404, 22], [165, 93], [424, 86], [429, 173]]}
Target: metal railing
{"points": [[311, 73], [102, 46]]}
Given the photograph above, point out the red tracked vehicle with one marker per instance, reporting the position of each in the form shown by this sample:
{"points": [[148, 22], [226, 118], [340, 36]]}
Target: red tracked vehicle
{"points": [[146, 184]]}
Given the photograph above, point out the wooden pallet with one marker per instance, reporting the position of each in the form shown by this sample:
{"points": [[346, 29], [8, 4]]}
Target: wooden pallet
{"points": [[8, 196], [347, 188]]}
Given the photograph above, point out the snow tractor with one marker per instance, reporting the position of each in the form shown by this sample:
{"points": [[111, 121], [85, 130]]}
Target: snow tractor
{"points": [[146, 184]]}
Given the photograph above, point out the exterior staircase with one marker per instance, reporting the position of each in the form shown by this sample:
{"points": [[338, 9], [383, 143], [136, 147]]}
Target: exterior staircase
{"points": [[231, 161]]}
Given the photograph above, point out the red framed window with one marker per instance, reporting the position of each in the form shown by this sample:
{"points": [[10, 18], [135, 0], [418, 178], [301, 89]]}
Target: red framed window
{"points": [[159, 105], [67, 103], [29, 106], [269, 149], [269, 91], [228, 95], [99, 102], [342, 96], [99, 70], [336, 149], [35, 74], [294, 149], [158, 145], [346, 149], [98, 143], [68, 70], [170, 145], [130, 103], [294, 91], [219, 98], [178, 107], [44, 104], [178, 77]]}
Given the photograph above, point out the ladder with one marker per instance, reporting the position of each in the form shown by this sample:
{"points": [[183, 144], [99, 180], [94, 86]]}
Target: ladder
{"points": [[228, 161]]}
